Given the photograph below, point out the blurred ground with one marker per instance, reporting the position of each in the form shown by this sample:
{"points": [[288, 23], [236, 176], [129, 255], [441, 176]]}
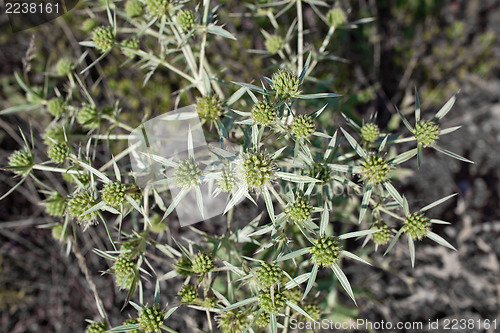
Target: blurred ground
{"points": [[43, 290]]}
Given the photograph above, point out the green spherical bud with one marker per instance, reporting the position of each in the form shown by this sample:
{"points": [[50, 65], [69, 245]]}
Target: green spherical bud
{"points": [[336, 17], [34, 96], [303, 126], [89, 24], [285, 84], [426, 132], [263, 320], [183, 266], [271, 304], [79, 204], [21, 162], [370, 132], [58, 152], [209, 107], [103, 38], [312, 310], [157, 225], [188, 294], [299, 210], [88, 117], [113, 194], [294, 295], [264, 113], [97, 327], [56, 133], [231, 321], [258, 169], [56, 107], [274, 44], [151, 319], [202, 263], [269, 274], [125, 272], [185, 19], [227, 180], [417, 225], [374, 169], [57, 232], [158, 8], [131, 43], [326, 251], [321, 172], [132, 321], [134, 8], [188, 173], [209, 302], [55, 205], [383, 236], [64, 66]]}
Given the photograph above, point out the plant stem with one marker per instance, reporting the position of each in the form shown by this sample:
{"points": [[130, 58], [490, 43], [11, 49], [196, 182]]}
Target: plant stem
{"points": [[300, 41]]}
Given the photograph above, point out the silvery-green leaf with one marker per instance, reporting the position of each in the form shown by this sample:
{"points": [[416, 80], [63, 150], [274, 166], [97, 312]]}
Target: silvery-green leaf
{"points": [[353, 256], [393, 192], [252, 87], [298, 309], [365, 202], [355, 145], [343, 281], [407, 124], [175, 202], [436, 221], [437, 202], [219, 31], [312, 279], [449, 153], [417, 107], [358, 233], [403, 157], [406, 207], [297, 281], [294, 254], [449, 130], [241, 303], [419, 154], [393, 242], [440, 240], [318, 96], [124, 328], [295, 178], [446, 108], [412, 250], [269, 203], [273, 323]]}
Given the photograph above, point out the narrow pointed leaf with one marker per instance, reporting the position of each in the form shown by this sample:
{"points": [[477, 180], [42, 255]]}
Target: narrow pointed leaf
{"points": [[412, 250], [312, 279], [393, 192], [449, 153], [417, 107], [403, 157], [440, 240], [343, 281], [241, 303], [446, 108], [355, 145], [294, 254], [407, 124], [298, 309], [355, 257], [365, 202], [358, 233], [394, 241], [437, 202]]}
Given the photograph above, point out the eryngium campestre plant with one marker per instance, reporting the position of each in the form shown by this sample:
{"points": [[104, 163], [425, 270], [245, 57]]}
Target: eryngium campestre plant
{"points": [[88, 116], [321, 172], [134, 8], [97, 327], [55, 205], [286, 84], [227, 180], [416, 225], [370, 132], [272, 303], [312, 310], [326, 251], [202, 263], [383, 236], [426, 132], [21, 162], [184, 266], [336, 17], [103, 38], [188, 173], [257, 168], [151, 319], [231, 321], [56, 107], [79, 204], [64, 66], [263, 320], [375, 169], [58, 152], [264, 113], [188, 294], [209, 107], [125, 272], [132, 321], [269, 274], [113, 193], [303, 126], [299, 210], [274, 44], [158, 8], [131, 43]]}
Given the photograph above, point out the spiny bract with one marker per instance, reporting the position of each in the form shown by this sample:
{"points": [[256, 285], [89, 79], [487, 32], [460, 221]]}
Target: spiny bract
{"points": [[416, 225], [326, 251]]}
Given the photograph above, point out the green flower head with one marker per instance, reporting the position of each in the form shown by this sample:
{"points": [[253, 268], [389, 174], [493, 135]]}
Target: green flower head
{"points": [[336, 17], [21, 162], [103, 38], [274, 44], [202, 263], [58, 152], [56, 107], [375, 169], [209, 107], [299, 210], [79, 204], [185, 19], [285, 84], [183, 266], [263, 320], [370, 132], [64, 66], [426, 132], [258, 169], [125, 272], [132, 321], [188, 173], [383, 236], [313, 310], [151, 319], [303, 126], [269, 274], [188, 294], [134, 8], [158, 8], [89, 24], [320, 171], [294, 295], [88, 117], [264, 113], [231, 321], [97, 327], [131, 43], [55, 205], [271, 304], [227, 180], [113, 194], [57, 232], [416, 225], [326, 251], [54, 133]]}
